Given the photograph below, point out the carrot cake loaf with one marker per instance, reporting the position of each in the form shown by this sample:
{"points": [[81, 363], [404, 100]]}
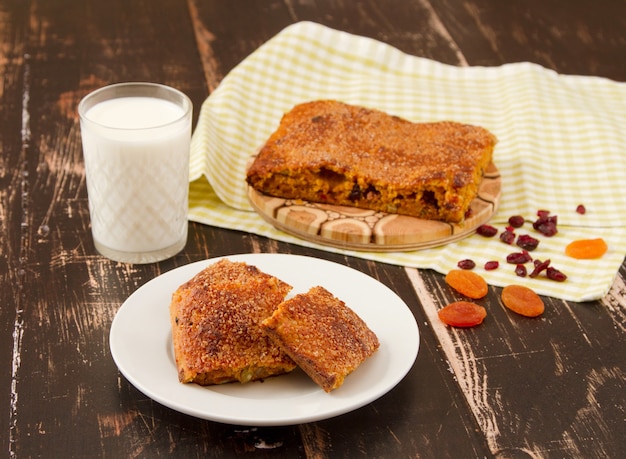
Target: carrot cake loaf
{"points": [[330, 152]]}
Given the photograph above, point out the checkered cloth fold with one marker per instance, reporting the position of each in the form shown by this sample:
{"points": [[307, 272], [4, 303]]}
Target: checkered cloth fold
{"points": [[561, 144]]}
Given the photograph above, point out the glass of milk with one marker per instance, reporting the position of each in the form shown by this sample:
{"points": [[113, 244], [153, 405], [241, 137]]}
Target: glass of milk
{"points": [[136, 147]]}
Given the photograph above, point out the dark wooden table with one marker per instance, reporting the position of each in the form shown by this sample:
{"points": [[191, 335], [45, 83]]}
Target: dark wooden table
{"points": [[549, 388]]}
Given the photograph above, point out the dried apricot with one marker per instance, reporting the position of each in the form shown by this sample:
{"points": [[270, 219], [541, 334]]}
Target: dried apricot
{"points": [[467, 283], [462, 314], [586, 249], [522, 300]]}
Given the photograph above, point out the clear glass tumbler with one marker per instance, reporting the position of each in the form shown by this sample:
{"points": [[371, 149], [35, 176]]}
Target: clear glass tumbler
{"points": [[136, 140]]}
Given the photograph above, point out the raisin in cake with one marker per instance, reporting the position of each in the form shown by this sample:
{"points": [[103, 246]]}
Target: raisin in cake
{"points": [[331, 152], [326, 338], [216, 329]]}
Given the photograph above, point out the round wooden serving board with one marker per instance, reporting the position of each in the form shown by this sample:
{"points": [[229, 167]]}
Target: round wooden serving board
{"points": [[370, 230]]}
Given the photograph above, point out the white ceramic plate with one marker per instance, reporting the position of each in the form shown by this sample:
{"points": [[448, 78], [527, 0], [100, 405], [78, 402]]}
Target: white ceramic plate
{"points": [[141, 346]]}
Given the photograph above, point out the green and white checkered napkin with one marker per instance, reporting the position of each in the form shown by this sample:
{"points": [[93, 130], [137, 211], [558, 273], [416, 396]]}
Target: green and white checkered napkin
{"points": [[561, 143]]}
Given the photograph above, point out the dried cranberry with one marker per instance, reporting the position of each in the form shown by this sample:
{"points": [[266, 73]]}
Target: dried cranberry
{"points": [[555, 274], [520, 270], [581, 209], [491, 265], [518, 258], [543, 213], [546, 224], [516, 221], [466, 264], [527, 242], [486, 230], [548, 229], [507, 237], [355, 194], [539, 267]]}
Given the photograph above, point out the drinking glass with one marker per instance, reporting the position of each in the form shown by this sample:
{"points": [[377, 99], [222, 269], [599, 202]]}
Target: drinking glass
{"points": [[136, 140]]}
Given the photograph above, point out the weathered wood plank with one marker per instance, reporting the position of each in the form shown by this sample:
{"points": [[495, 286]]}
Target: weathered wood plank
{"points": [[14, 138], [66, 379], [574, 38], [517, 372], [492, 390]]}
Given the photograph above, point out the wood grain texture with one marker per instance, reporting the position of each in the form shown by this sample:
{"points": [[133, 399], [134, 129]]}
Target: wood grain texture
{"points": [[560, 372], [573, 38], [14, 137], [513, 387]]}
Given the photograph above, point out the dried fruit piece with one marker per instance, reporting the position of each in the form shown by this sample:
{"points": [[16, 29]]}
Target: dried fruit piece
{"points": [[546, 223], [551, 272], [467, 283], [543, 213], [586, 249], [486, 230], [518, 258], [520, 270], [555, 275], [516, 221], [581, 209], [522, 300], [527, 242], [507, 236], [462, 314], [491, 265], [466, 264], [539, 266]]}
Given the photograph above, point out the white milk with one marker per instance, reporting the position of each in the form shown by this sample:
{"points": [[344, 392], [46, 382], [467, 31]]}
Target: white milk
{"points": [[136, 153]]}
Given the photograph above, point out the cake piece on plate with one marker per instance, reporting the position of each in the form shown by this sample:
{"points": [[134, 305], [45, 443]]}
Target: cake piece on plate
{"points": [[216, 325], [326, 338]]}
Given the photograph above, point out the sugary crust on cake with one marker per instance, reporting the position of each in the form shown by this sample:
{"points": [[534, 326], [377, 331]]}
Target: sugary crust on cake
{"points": [[322, 335], [216, 331], [330, 152]]}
